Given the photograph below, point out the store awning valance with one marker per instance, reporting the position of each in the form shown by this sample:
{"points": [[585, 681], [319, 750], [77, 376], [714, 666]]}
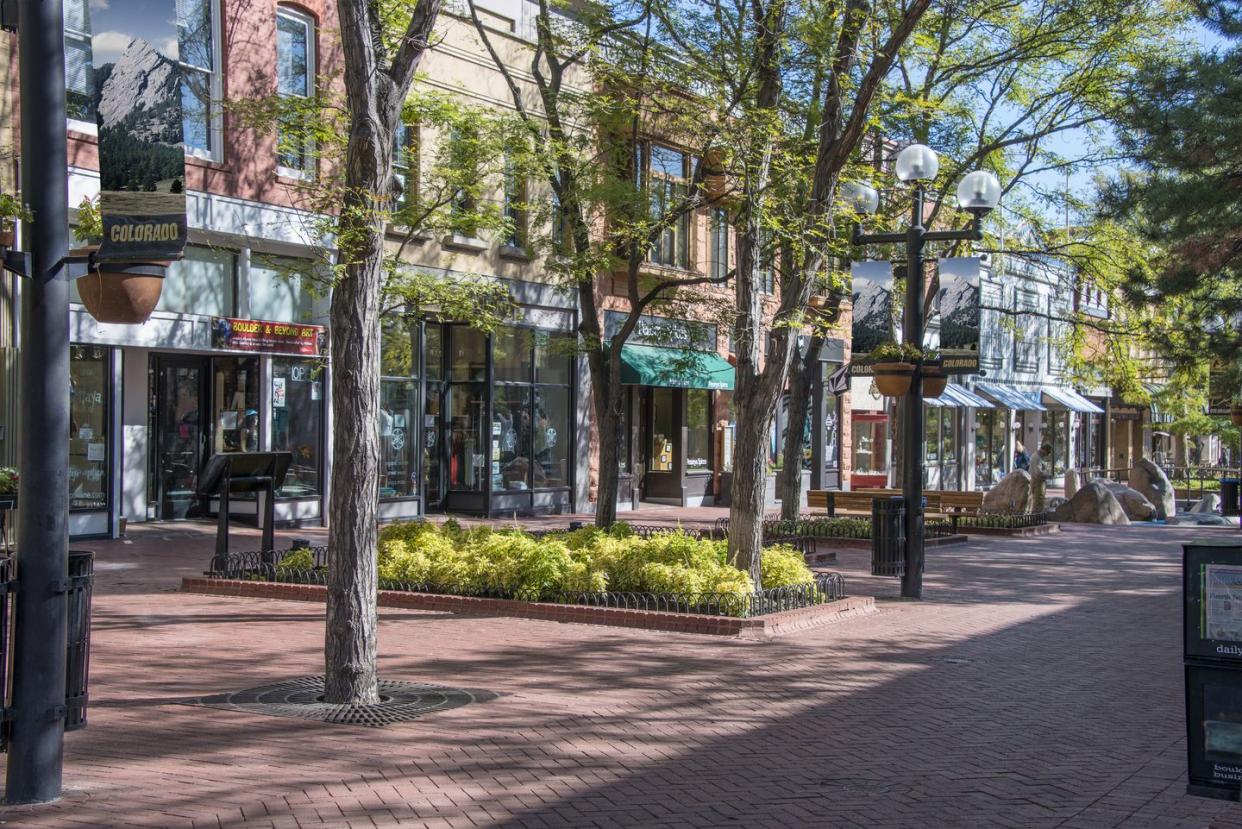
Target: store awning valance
{"points": [[957, 397], [1060, 398], [1157, 414], [1010, 398], [677, 368]]}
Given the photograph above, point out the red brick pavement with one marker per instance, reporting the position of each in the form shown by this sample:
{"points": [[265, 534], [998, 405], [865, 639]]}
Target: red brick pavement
{"points": [[1038, 685]]}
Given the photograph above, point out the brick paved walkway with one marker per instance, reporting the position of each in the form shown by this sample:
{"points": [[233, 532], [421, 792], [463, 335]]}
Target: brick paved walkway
{"points": [[1039, 685]]}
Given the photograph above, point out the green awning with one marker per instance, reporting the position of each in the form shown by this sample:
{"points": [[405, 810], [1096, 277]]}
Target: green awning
{"points": [[677, 368]]}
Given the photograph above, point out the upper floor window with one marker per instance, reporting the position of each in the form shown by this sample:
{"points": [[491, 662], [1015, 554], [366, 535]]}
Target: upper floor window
{"points": [[295, 78], [668, 176], [720, 243], [558, 224], [405, 163], [514, 207], [198, 42]]}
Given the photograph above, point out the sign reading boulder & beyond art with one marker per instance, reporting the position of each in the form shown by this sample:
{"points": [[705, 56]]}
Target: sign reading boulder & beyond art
{"points": [[958, 304], [138, 109]]}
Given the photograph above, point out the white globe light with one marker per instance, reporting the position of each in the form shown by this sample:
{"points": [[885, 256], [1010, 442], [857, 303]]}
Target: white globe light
{"points": [[860, 197], [978, 192], [917, 163]]}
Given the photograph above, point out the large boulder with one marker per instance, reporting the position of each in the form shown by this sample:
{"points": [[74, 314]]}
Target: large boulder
{"points": [[1136, 505], [1150, 480], [1071, 482], [1011, 496], [1093, 504], [1208, 503]]}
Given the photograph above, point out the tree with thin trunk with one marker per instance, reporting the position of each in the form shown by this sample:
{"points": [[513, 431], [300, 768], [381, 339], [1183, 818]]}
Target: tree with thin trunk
{"points": [[603, 84]]}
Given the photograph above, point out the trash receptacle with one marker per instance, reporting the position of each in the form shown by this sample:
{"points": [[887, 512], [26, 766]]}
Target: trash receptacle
{"points": [[1229, 496], [888, 536], [77, 669]]}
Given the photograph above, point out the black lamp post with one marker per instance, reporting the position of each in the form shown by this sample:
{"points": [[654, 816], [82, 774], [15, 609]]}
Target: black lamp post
{"points": [[978, 193]]}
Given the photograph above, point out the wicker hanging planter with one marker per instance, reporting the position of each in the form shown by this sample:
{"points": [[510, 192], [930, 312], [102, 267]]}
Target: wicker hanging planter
{"points": [[122, 292], [934, 380], [893, 379]]}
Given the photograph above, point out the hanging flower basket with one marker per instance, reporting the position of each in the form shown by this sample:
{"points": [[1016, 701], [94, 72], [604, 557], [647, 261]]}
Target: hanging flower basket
{"points": [[893, 379], [1235, 414], [122, 292], [8, 233], [934, 380]]}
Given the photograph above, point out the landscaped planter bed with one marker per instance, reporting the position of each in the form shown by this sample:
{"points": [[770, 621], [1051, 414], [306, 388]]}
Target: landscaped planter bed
{"points": [[751, 627]]}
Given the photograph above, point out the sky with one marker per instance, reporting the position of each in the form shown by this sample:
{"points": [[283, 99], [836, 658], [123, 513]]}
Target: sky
{"points": [[116, 22]]}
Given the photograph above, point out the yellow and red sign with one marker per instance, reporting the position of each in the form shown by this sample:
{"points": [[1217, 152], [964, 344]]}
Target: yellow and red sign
{"points": [[267, 336]]}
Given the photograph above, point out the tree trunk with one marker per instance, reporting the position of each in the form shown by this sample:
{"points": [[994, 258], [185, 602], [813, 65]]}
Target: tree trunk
{"points": [[750, 468], [801, 374], [608, 424]]}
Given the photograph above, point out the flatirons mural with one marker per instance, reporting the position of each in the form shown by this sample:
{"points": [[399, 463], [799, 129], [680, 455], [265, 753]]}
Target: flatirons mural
{"points": [[957, 303], [874, 318], [138, 94]]}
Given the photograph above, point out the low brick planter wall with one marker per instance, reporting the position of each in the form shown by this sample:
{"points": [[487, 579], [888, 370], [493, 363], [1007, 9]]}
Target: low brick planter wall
{"points": [[758, 627], [1014, 532]]}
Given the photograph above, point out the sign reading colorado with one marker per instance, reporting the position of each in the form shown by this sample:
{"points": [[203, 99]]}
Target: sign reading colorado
{"points": [[138, 108]]}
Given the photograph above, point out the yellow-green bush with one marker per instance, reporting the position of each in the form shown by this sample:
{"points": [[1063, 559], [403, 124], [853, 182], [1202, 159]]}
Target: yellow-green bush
{"points": [[300, 559], [782, 566]]}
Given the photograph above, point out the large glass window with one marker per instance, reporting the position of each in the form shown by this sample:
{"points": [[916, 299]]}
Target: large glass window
{"points": [[468, 358], [698, 430], [201, 283], [531, 404], [667, 182], [235, 397], [79, 68], [399, 407], [200, 81], [405, 163], [467, 459], [295, 78], [88, 427], [1056, 435], [720, 243], [280, 288], [297, 423], [662, 419]]}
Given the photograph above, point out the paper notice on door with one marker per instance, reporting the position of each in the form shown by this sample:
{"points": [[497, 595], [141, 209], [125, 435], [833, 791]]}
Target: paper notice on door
{"points": [[96, 452], [278, 392]]}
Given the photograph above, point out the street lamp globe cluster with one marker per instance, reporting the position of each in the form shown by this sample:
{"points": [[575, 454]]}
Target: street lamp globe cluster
{"points": [[978, 193]]}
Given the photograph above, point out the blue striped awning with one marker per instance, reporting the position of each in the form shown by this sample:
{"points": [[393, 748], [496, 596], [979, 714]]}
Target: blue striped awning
{"points": [[1009, 398], [957, 397]]}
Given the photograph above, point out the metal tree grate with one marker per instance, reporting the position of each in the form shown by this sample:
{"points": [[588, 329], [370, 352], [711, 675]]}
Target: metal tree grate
{"points": [[302, 698]]}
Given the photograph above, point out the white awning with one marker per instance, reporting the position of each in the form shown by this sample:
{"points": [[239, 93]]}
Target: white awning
{"points": [[957, 397], [1010, 398], [1061, 398]]}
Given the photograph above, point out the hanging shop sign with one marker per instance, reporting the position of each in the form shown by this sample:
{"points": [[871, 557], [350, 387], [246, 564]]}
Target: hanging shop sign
{"points": [[957, 307], [875, 317], [273, 337], [138, 109]]}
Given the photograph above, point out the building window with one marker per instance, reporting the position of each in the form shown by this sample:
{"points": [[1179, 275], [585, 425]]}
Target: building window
{"points": [[991, 434], [558, 224], [79, 67], [280, 288], [467, 409], [870, 447], [514, 207], [941, 465], [295, 78], [462, 158], [297, 423], [204, 282], [89, 384], [668, 185], [531, 402], [400, 348], [200, 80], [720, 243], [698, 430], [405, 164]]}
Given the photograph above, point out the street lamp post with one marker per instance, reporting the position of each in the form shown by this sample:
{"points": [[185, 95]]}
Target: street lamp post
{"points": [[979, 192]]}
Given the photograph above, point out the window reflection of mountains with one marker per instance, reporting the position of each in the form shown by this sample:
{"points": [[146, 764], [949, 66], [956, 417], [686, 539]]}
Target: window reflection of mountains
{"points": [[873, 314]]}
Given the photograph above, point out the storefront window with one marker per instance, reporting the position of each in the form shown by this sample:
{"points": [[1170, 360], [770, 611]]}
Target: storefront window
{"points": [[553, 407], [950, 463], [201, 283], [511, 438], [399, 407], [698, 430], [280, 288], [531, 405], [236, 402], [511, 355], [467, 460], [468, 359], [662, 418], [870, 447], [297, 423], [88, 427], [1056, 435], [554, 354], [990, 446]]}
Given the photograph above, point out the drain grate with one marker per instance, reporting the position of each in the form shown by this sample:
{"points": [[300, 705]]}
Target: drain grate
{"points": [[302, 698]]}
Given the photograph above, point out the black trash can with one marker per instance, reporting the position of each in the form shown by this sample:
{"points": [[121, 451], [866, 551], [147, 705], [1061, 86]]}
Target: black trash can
{"points": [[77, 669], [1229, 496], [888, 536]]}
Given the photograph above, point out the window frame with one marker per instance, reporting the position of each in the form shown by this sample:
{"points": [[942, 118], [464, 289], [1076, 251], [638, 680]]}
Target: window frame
{"points": [[215, 114], [676, 235], [534, 383], [513, 207], [406, 163], [310, 24], [79, 36], [719, 243]]}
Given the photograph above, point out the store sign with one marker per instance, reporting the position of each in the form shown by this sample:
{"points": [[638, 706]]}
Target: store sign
{"points": [[663, 331], [875, 317], [957, 307], [262, 335], [136, 50]]}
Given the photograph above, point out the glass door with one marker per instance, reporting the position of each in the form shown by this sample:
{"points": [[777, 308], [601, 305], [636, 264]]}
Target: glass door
{"points": [[180, 435], [433, 418]]}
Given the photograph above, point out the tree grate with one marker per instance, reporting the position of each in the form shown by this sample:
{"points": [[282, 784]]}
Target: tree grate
{"points": [[302, 698]]}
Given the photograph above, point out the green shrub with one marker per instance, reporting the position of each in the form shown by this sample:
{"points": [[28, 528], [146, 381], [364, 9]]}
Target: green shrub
{"points": [[299, 559], [782, 566]]}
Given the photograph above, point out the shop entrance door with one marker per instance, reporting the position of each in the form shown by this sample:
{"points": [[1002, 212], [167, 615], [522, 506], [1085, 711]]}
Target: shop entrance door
{"points": [[180, 439]]}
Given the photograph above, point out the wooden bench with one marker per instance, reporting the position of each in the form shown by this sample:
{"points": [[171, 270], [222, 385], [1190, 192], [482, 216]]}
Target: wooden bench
{"points": [[852, 504], [960, 503]]}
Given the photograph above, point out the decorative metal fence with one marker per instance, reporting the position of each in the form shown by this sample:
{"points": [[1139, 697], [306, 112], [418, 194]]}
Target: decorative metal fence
{"points": [[7, 586], [1001, 521], [826, 587]]}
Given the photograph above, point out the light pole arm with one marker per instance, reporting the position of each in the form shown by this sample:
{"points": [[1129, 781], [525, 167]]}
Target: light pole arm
{"points": [[973, 234], [861, 238]]}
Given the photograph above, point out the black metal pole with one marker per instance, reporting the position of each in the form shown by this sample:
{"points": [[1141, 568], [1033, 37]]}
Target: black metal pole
{"points": [[37, 729], [912, 333]]}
